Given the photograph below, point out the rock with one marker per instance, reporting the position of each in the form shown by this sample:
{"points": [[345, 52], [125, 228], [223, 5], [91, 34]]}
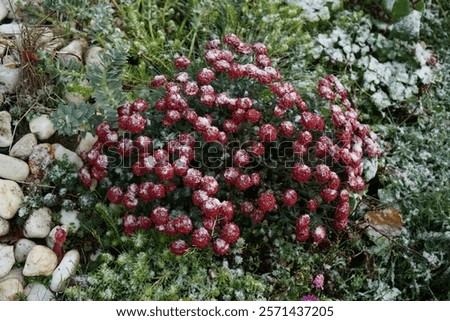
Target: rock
{"points": [[69, 220], [13, 169], [2, 99], [24, 146], [38, 223], [46, 35], [59, 152], [42, 127], [38, 292], [65, 270], [12, 6], [6, 259], [40, 159], [77, 97], [11, 29], [4, 227], [86, 143], [72, 52], [6, 137], [40, 261], [2, 48], [53, 45], [11, 197], [22, 249], [15, 273], [9, 61], [3, 11], [9, 78], [73, 97], [10, 289], [92, 56]]}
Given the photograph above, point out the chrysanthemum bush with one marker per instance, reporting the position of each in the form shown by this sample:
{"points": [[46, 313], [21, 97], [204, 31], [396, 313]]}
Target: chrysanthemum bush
{"points": [[228, 143]]}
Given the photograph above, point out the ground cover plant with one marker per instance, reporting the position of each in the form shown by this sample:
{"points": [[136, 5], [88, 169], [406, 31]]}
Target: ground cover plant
{"points": [[245, 148]]}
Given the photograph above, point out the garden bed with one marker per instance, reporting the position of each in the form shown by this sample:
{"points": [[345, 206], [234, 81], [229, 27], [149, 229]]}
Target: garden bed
{"points": [[191, 150]]}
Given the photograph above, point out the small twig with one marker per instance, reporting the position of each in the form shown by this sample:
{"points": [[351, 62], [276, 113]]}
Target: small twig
{"points": [[115, 4], [39, 185]]}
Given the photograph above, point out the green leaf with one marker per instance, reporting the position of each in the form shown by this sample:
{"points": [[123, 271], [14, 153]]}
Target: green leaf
{"points": [[370, 167], [408, 27], [401, 9], [420, 6]]}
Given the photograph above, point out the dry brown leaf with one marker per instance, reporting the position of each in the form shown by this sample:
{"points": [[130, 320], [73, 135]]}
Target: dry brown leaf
{"points": [[388, 222]]}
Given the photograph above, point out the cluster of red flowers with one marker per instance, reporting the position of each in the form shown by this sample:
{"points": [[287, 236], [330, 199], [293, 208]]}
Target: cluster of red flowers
{"points": [[327, 156]]}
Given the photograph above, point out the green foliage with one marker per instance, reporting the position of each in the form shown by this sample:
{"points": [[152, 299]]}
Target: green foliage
{"points": [[400, 9], [148, 271], [93, 19], [104, 85], [106, 80], [69, 119], [184, 27], [386, 73]]}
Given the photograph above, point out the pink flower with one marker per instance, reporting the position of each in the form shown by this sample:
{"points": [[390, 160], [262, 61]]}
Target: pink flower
{"points": [[318, 281], [309, 297]]}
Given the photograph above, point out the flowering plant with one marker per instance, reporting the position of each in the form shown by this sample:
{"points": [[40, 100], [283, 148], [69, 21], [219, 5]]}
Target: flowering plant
{"points": [[229, 141]]}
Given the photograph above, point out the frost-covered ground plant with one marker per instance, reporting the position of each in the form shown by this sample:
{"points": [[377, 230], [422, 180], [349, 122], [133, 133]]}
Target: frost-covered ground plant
{"points": [[228, 139], [382, 55], [264, 266], [147, 270], [59, 190], [317, 10], [416, 180]]}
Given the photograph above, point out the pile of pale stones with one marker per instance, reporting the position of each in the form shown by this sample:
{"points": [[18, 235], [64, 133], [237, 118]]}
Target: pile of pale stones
{"points": [[33, 255]]}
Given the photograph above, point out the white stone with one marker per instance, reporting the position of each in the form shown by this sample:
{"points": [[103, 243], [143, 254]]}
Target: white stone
{"points": [[65, 270], [9, 61], [86, 143], [38, 292], [53, 45], [4, 227], [72, 52], [3, 49], [41, 158], [70, 221], [40, 261], [42, 127], [12, 6], [38, 223], [10, 289], [9, 78], [6, 259], [24, 147], [11, 29], [13, 169], [92, 56], [15, 273], [6, 137], [11, 197], [46, 35], [73, 97], [72, 157], [3, 11], [76, 97], [22, 248]]}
